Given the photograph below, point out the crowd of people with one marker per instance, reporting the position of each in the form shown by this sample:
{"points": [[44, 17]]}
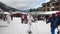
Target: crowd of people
{"points": [[54, 19], [28, 18], [24, 18], [7, 17]]}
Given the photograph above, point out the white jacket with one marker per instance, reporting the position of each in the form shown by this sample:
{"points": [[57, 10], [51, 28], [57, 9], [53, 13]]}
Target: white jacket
{"points": [[8, 18], [23, 17], [29, 22]]}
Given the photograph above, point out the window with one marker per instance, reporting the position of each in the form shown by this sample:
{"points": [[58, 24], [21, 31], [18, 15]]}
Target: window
{"points": [[57, 9], [48, 5], [44, 5], [44, 9], [52, 9], [48, 9], [57, 3], [52, 3], [58, 0]]}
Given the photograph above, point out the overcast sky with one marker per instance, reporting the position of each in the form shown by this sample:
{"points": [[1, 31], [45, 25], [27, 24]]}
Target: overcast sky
{"points": [[24, 4]]}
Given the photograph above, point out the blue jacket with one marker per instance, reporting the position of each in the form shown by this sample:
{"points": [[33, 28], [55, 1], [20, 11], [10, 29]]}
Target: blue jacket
{"points": [[53, 21]]}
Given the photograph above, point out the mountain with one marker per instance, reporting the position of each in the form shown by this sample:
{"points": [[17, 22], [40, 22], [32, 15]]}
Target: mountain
{"points": [[24, 10], [7, 8]]}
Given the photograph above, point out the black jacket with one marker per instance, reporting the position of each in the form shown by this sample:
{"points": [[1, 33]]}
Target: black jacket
{"points": [[53, 21]]}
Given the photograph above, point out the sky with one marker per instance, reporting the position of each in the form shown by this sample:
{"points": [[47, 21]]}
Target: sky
{"points": [[24, 4]]}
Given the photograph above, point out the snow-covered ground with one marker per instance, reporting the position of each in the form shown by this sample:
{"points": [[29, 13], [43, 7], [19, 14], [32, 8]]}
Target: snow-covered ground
{"points": [[16, 27]]}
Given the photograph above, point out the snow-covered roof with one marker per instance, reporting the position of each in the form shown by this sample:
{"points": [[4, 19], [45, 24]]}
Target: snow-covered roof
{"points": [[6, 13], [50, 12], [19, 12]]}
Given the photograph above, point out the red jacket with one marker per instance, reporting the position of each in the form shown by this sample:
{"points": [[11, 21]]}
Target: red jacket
{"points": [[25, 17]]}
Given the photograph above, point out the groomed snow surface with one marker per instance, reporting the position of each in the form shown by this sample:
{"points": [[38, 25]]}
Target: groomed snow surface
{"points": [[16, 27]]}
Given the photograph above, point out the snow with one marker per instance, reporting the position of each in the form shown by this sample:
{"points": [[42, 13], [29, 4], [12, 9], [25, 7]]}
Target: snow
{"points": [[48, 12], [16, 27], [6, 13]]}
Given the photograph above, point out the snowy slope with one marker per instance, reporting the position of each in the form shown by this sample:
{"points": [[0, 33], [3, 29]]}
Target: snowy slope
{"points": [[16, 27]]}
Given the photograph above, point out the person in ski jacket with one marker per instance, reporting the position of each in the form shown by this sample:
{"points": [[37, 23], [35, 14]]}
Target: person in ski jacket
{"points": [[8, 18], [47, 17], [34, 17], [29, 17], [11, 17], [53, 20], [22, 18], [58, 17], [4, 17], [58, 24], [25, 17]]}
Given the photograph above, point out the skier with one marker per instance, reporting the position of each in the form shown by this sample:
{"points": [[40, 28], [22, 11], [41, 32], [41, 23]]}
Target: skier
{"points": [[53, 20], [25, 19], [29, 23], [35, 18], [58, 24], [11, 17], [47, 17], [8, 18], [4, 17], [22, 18]]}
